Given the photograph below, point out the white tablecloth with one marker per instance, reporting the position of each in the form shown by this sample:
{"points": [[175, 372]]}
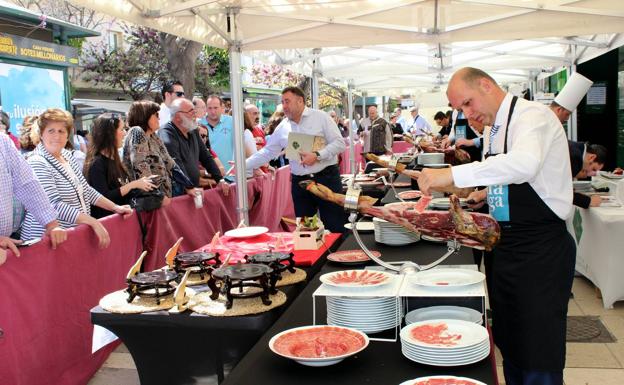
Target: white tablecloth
{"points": [[599, 232]]}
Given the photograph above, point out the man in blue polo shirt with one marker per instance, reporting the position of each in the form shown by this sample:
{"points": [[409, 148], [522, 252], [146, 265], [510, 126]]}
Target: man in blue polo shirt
{"points": [[220, 130]]}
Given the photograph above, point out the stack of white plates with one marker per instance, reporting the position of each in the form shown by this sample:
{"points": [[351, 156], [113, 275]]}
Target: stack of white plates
{"points": [[582, 185], [366, 314], [445, 342], [444, 312], [393, 234], [445, 203]]}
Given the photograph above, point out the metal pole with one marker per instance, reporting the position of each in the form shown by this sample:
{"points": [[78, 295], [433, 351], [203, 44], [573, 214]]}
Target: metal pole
{"points": [[351, 133], [316, 72], [237, 115], [363, 105], [572, 122]]}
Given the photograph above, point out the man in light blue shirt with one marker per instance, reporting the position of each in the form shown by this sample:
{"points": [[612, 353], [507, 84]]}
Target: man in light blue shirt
{"points": [[419, 125], [220, 130], [320, 166]]}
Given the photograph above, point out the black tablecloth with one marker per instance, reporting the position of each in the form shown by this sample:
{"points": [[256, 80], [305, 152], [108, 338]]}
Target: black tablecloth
{"points": [[178, 348], [380, 363]]}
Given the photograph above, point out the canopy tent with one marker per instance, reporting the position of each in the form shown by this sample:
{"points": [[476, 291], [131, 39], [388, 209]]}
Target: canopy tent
{"points": [[417, 68], [282, 24]]}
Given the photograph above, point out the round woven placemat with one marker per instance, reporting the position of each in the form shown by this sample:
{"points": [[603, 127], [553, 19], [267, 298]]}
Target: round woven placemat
{"points": [[116, 302], [289, 278], [201, 303]]}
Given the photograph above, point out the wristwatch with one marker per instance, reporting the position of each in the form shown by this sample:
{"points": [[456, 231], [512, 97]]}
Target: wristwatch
{"points": [[318, 155]]}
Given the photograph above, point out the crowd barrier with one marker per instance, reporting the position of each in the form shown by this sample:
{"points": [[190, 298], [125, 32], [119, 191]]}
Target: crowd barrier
{"points": [[46, 295]]}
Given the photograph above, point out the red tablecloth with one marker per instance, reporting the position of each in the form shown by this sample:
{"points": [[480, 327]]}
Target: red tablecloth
{"points": [[46, 295], [278, 241]]}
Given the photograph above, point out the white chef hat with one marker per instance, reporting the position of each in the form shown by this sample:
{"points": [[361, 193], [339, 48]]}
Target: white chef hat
{"points": [[573, 91]]}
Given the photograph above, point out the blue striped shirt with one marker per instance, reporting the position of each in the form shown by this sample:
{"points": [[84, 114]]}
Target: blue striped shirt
{"points": [[61, 190], [17, 180]]}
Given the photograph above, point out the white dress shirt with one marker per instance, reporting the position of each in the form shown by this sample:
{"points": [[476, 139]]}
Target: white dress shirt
{"points": [[419, 126], [164, 115], [312, 122], [537, 153]]}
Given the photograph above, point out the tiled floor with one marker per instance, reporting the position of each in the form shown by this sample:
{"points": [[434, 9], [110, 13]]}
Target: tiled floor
{"points": [[586, 363]]}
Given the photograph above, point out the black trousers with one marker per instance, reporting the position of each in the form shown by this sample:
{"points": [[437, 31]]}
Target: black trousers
{"points": [[306, 204]]}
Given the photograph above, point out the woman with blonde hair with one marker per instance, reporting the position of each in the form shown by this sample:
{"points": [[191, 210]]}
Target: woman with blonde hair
{"points": [[61, 178]]}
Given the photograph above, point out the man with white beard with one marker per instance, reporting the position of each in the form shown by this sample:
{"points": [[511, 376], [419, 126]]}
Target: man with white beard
{"points": [[183, 143]]}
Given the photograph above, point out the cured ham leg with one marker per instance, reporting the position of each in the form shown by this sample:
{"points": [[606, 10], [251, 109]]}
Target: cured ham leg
{"points": [[401, 169], [470, 229]]}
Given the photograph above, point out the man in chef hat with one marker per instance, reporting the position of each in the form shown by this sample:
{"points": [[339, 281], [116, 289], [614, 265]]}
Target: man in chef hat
{"points": [[570, 96]]}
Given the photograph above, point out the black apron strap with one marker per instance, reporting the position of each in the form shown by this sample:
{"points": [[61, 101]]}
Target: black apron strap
{"points": [[511, 109]]}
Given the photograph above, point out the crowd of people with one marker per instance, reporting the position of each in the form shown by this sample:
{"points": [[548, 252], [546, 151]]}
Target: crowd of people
{"points": [[55, 178]]}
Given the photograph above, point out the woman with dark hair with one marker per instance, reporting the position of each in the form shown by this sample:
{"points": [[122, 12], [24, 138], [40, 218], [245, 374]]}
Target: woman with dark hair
{"points": [[103, 167], [249, 141], [144, 154]]}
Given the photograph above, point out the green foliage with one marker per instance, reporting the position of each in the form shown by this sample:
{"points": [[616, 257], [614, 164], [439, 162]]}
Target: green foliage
{"points": [[76, 42], [137, 71], [212, 70]]}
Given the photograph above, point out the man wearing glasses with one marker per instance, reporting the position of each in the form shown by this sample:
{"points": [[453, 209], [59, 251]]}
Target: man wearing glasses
{"points": [[171, 91], [183, 143]]}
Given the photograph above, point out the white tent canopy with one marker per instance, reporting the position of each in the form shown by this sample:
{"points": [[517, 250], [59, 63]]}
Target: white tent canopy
{"points": [[359, 27], [277, 24]]}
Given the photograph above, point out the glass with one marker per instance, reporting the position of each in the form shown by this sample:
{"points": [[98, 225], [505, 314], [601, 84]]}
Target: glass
{"points": [[203, 136], [188, 112], [179, 93]]}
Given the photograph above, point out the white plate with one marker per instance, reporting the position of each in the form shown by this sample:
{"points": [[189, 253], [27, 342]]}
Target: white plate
{"points": [[610, 175], [468, 334], [246, 232], [357, 278], [423, 380], [361, 226], [446, 277], [432, 239], [444, 312], [445, 203], [321, 361], [436, 362]]}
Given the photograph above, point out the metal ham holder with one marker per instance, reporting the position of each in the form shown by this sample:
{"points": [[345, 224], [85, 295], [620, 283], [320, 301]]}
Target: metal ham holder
{"points": [[351, 205]]}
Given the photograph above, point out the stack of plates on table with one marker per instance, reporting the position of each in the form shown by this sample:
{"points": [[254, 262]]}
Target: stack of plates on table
{"points": [[444, 312], [582, 185], [393, 234], [445, 342], [445, 203], [367, 314]]}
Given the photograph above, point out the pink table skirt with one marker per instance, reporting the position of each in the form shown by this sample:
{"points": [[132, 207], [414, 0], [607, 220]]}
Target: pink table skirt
{"points": [[46, 295]]}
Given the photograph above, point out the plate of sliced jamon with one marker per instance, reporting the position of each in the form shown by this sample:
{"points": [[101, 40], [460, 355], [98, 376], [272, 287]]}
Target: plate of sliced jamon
{"points": [[411, 194], [442, 380], [356, 278], [320, 345], [351, 256]]}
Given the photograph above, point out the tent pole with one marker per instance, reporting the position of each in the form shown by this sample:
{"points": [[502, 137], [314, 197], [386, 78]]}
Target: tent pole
{"points": [[350, 128], [363, 106], [234, 50], [316, 71], [572, 122]]}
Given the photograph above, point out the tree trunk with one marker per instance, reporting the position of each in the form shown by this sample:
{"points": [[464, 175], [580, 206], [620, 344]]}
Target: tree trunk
{"points": [[181, 54]]}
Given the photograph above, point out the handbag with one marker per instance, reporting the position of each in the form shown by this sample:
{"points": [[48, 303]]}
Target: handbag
{"points": [[146, 200], [179, 181]]}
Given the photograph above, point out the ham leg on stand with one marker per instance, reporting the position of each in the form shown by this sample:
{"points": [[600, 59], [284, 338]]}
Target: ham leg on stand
{"points": [[469, 229]]}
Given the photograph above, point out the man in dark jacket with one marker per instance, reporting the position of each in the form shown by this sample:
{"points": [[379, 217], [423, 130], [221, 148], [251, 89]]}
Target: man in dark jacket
{"points": [[183, 143], [586, 160]]}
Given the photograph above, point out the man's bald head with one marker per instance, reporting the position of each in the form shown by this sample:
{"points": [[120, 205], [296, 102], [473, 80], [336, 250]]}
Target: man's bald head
{"points": [[476, 93]]}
